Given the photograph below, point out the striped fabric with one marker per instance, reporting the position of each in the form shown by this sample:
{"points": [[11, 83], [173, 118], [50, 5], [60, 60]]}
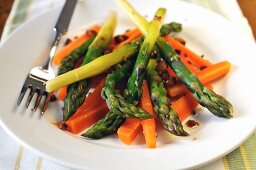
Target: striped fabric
{"points": [[14, 156]]}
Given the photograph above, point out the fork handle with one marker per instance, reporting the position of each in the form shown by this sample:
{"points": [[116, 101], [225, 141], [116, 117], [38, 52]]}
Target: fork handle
{"points": [[56, 41], [61, 28]]}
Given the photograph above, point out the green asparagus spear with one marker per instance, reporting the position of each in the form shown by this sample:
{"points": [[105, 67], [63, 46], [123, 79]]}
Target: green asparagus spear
{"points": [[76, 92], [112, 121], [171, 27], [105, 126], [164, 112], [133, 92], [97, 47], [138, 19], [115, 101], [69, 62], [215, 103]]}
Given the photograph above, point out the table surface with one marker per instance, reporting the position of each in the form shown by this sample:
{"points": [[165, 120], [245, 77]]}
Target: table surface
{"points": [[248, 8], [5, 8]]}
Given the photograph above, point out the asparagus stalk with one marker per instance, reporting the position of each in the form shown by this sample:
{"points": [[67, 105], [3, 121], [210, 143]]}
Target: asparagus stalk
{"points": [[104, 36], [112, 121], [115, 101], [170, 27], [164, 112], [137, 19], [215, 103], [69, 62], [114, 118], [105, 126], [133, 91], [76, 92]]}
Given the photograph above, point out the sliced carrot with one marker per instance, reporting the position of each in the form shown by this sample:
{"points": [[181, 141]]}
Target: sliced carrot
{"points": [[145, 101], [92, 109], [60, 55], [209, 85], [214, 72], [206, 75], [61, 93], [91, 100], [131, 32], [129, 130], [87, 118], [148, 125], [184, 106], [149, 131], [194, 58]]}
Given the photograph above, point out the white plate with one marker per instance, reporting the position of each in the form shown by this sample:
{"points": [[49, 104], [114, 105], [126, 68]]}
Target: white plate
{"points": [[206, 32]]}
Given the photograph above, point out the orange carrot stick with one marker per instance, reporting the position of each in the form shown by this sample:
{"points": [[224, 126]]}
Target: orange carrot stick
{"points": [[131, 32], [92, 100], [195, 59], [207, 75], [148, 125], [87, 117], [184, 106], [60, 55], [61, 93], [129, 130], [214, 72]]}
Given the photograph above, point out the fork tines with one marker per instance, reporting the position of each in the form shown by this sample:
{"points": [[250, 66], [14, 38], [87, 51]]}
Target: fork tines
{"points": [[36, 85]]}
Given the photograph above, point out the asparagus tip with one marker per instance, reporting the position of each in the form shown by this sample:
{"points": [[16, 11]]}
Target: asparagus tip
{"points": [[219, 105], [178, 131], [91, 135]]}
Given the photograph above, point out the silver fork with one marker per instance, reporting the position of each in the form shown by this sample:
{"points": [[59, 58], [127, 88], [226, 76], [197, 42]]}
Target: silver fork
{"points": [[38, 76]]}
